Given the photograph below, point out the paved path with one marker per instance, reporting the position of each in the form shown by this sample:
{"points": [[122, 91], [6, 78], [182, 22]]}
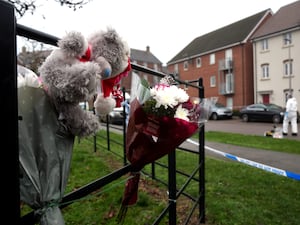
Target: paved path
{"points": [[284, 161], [279, 160]]}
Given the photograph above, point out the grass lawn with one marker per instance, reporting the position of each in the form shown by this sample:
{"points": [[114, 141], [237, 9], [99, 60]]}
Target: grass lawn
{"points": [[236, 194]]}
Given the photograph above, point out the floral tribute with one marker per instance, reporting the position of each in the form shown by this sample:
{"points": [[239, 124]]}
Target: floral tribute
{"points": [[161, 118]]}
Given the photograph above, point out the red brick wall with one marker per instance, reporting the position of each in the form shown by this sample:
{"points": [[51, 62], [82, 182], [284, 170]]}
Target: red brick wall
{"points": [[242, 70]]}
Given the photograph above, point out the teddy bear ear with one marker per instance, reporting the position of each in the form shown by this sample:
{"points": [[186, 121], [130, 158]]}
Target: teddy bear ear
{"points": [[73, 44]]}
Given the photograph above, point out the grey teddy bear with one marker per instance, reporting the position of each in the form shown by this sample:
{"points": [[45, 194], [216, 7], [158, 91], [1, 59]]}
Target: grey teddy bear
{"points": [[73, 71]]}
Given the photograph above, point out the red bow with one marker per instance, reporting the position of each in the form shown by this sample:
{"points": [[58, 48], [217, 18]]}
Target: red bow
{"points": [[108, 84], [87, 56]]}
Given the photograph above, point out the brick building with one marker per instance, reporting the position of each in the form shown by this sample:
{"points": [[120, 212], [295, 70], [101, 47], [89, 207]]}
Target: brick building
{"points": [[144, 58], [224, 59]]}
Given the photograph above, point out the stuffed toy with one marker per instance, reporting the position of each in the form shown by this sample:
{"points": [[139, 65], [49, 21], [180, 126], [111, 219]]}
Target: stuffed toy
{"points": [[72, 72], [110, 46]]}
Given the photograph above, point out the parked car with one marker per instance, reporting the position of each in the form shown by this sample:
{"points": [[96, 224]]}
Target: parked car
{"points": [[262, 112], [115, 117], [84, 105], [219, 111]]}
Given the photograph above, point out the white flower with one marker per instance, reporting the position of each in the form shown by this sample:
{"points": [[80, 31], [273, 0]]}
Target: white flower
{"points": [[182, 113], [181, 94], [168, 96], [164, 96]]}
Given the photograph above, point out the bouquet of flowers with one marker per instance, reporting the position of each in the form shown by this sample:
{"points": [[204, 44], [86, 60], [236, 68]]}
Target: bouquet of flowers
{"points": [[161, 118]]}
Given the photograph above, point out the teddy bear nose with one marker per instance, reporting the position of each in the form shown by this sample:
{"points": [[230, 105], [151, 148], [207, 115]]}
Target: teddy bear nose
{"points": [[106, 72]]}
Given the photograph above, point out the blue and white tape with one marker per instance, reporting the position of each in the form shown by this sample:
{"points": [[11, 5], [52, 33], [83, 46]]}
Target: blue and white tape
{"points": [[252, 163]]}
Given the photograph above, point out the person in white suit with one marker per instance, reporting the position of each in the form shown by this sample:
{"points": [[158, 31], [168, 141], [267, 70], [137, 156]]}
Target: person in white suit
{"points": [[290, 116]]}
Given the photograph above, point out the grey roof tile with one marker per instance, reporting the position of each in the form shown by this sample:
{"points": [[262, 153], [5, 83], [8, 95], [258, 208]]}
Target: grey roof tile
{"points": [[285, 18], [230, 34], [144, 56]]}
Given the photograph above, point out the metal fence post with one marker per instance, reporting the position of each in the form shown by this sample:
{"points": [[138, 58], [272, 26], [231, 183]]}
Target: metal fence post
{"points": [[9, 118], [172, 187], [124, 126], [201, 161]]}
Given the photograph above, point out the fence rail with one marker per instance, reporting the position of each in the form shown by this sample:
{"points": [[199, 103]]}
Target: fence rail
{"points": [[10, 29]]}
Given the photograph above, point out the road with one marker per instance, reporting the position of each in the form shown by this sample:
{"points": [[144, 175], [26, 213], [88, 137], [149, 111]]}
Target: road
{"points": [[235, 125]]}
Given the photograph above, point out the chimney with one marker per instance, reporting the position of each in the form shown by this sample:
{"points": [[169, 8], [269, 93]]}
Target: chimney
{"points": [[147, 48]]}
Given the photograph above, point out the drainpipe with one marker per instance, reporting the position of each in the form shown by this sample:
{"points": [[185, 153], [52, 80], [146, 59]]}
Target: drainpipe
{"points": [[255, 72]]}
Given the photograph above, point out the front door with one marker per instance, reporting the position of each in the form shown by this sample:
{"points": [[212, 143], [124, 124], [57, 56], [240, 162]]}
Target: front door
{"points": [[266, 98]]}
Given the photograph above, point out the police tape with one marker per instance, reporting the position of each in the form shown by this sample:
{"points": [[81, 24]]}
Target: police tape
{"points": [[252, 163]]}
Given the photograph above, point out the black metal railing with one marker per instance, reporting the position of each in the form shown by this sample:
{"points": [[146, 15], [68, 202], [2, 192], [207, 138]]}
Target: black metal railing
{"points": [[10, 29]]}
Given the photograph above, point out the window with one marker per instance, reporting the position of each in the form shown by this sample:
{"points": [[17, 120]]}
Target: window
{"points": [[155, 67], [185, 65], [287, 39], [228, 58], [176, 68], [288, 67], [264, 45], [212, 59], [213, 81], [198, 62], [265, 71], [229, 83], [145, 64]]}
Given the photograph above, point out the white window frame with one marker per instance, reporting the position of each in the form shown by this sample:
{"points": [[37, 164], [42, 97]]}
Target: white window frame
{"points": [[185, 65], [198, 62], [176, 68], [265, 71], [212, 81], [264, 45], [287, 39], [212, 59], [228, 58], [229, 83], [288, 68]]}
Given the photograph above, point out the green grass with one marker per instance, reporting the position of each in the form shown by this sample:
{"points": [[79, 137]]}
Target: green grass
{"points": [[236, 194], [254, 141]]}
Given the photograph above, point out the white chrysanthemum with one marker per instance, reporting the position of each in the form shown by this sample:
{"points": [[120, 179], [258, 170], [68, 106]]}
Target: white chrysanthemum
{"points": [[165, 98], [181, 95], [168, 96], [181, 113]]}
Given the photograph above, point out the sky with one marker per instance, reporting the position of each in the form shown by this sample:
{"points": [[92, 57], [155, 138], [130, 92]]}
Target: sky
{"points": [[166, 26]]}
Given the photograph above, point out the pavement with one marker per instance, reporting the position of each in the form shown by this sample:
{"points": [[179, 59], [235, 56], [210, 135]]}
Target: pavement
{"points": [[258, 157]]}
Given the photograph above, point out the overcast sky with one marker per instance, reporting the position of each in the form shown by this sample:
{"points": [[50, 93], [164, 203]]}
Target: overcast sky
{"points": [[167, 26]]}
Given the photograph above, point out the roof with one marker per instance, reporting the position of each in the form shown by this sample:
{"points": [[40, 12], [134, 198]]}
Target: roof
{"points": [[285, 18], [144, 56], [231, 34]]}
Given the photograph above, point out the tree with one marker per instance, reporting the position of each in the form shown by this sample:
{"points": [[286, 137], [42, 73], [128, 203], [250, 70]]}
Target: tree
{"points": [[29, 6]]}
